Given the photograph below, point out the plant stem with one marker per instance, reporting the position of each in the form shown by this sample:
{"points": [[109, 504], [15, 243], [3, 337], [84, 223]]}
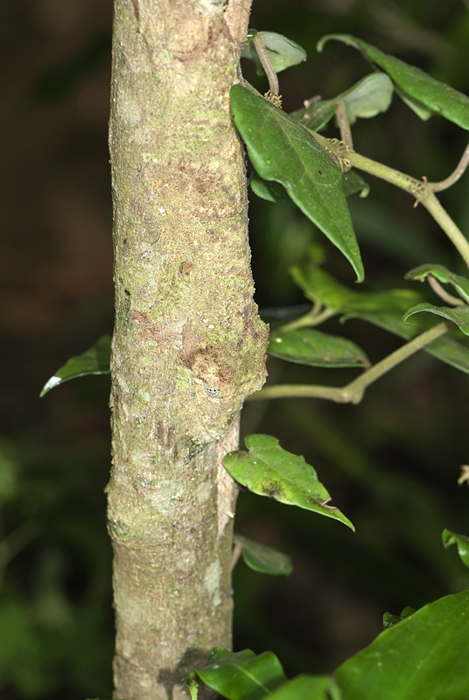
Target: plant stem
{"points": [[455, 175], [313, 318], [266, 64], [442, 293], [421, 190], [353, 392], [442, 218]]}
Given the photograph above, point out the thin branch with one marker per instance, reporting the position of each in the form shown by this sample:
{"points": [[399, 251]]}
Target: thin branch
{"points": [[266, 64], [313, 318], [442, 293], [354, 391], [421, 190], [344, 126], [455, 175]]}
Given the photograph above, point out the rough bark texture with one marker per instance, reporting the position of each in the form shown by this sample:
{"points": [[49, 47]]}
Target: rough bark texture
{"points": [[188, 345]]}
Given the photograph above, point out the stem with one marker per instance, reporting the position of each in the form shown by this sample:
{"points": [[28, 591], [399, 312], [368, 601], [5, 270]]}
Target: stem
{"points": [[266, 64], [455, 175], [344, 126], [353, 392], [313, 318], [421, 190], [442, 218], [442, 293]]}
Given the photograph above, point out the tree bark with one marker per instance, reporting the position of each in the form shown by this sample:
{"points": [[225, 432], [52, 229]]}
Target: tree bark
{"points": [[188, 345]]}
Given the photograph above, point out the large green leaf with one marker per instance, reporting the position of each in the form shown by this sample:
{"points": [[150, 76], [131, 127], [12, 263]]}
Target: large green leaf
{"points": [[422, 657], [442, 274], [282, 52], [462, 542], [269, 470], [283, 150], [415, 85], [239, 676], [306, 346], [263, 559], [457, 314], [95, 360]]}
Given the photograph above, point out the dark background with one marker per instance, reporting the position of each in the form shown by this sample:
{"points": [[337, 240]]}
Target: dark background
{"points": [[391, 464]]}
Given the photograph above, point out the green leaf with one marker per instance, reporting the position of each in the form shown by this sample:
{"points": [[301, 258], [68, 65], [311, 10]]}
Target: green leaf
{"points": [[389, 620], [462, 541], [422, 657], [304, 687], [352, 183], [263, 559], [269, 470], [95, 360], [457, 314], [383, 309], [316, 114], [442, 274], [447, 349], [282, 52], [270, 191], [367, 98], [282, 150], [414, 84], [321, 287], [310, 347], [241, 675]]}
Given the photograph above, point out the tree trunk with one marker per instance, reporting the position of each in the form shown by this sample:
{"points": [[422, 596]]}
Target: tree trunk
{"points": [[188, 345]]}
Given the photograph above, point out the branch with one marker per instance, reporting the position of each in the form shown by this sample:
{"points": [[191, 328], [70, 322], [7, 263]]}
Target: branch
{"points": [[354, 391]]}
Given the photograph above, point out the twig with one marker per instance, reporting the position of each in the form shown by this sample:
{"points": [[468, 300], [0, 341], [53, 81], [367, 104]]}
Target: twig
{"points": [[442, 293], [455, 175], [266, 64]]}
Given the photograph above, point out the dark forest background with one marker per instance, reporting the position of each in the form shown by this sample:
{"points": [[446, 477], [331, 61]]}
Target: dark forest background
{"points": [[391, 464]]}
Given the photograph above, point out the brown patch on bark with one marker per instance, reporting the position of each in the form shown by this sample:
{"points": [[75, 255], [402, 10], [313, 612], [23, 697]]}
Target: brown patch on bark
{"points": [[149, 330]]}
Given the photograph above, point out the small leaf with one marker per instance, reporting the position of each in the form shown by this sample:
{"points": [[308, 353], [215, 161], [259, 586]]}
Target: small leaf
{"points": [[263, 559], [367, 98], [95, 360], [270, 191], [422, 657], [462, 541], [353, 183], [282, 52], [282, 150], [304, 687], [389, 620], [457, 314], [241, 675], [310, 347], [269, 470], [437, 97], [317, 114], [442, 274]]}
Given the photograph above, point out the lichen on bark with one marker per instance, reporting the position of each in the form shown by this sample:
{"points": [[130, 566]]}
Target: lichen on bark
{"points": [[188, 344]]}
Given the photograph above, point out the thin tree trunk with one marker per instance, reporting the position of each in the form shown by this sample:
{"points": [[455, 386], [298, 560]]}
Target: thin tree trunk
{"points": [[188, 345]]}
